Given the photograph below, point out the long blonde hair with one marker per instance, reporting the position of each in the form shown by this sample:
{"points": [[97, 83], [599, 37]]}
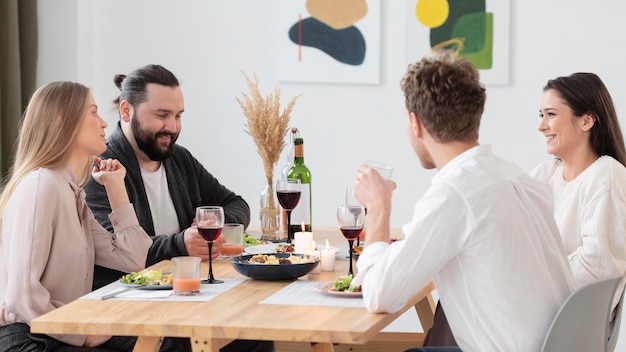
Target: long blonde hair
{"points": [[48, 128]]}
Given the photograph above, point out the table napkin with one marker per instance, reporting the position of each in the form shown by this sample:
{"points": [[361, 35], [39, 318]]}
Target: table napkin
{"points": [[301, 292], [207, 292]]}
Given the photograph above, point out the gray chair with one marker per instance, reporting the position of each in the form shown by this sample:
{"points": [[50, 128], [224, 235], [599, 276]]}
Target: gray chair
{"points": [[617, 322], [582, 322]]}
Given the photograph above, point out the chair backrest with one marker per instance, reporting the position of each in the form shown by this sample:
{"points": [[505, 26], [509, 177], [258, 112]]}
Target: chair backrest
{"points": [[617, 322], [582, 322]]}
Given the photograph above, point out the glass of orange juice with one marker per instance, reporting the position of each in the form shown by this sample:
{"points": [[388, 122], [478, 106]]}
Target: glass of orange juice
{"points": [[186, 276], [233, 245]]}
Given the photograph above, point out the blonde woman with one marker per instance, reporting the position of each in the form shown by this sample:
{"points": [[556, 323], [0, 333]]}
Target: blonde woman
{"points": [[49, 239]]}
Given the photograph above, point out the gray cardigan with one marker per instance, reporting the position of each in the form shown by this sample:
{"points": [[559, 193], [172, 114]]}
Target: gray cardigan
{"points": [[190, 186]]}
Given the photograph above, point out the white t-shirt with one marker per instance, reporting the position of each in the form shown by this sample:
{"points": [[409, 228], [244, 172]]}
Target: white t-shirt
{"points": [[161, 205], [485, 233]]}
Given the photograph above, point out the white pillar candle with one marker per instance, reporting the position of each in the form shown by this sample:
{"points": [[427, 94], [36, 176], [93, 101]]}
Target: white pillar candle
{"points": [[328, 259], [302, 242]]}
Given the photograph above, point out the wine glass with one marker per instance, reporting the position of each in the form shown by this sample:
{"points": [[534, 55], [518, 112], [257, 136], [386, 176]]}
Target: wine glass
{"points": [[351, 200], [210, 221], [288, 193], [350, 219]]}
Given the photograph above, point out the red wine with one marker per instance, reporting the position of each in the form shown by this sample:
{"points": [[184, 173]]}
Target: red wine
{"points": [[210, 233], [288, 199], [351, 232]]}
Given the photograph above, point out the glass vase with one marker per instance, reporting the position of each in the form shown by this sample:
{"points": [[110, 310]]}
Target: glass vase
{"points": [[270, 213]]}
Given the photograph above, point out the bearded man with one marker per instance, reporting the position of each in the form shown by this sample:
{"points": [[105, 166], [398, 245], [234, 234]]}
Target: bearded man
{"points": [[164, 181]]}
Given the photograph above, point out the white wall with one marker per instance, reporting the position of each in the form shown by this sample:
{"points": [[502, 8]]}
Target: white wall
{"points": [[207, 42]]}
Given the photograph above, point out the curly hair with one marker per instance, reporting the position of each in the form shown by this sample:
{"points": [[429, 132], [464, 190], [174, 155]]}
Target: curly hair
{"points": [[445, 92]]}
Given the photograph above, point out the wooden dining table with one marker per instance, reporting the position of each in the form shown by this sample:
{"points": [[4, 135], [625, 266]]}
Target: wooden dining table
{"points": [[237, 314]]}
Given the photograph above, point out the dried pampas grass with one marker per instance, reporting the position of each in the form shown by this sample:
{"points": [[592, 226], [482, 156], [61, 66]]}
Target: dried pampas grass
{"points": [[264, 122]]}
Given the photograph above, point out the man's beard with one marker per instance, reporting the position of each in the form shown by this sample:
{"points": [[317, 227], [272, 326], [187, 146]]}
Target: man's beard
{"points": [[147, 142]]}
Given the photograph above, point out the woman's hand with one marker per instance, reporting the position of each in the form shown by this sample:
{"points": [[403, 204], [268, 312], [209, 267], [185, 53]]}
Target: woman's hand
{"points": [[110, 173], [109, 170]]}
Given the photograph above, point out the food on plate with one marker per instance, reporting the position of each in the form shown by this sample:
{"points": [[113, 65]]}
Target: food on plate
{"points": [[357, 249], [250, 241], [343, 283], [147, 277], [272, 259], [285, 248]]}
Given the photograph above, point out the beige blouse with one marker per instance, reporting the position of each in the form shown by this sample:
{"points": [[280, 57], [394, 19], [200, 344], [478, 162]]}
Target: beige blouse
{"points": [[49, 242]]}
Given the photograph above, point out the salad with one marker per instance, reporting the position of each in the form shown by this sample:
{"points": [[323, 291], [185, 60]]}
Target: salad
{"points": [[344, 283], [249, 241], [147, 277]]}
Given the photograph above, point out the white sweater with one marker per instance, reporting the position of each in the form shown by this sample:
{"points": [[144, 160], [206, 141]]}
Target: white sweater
{"points": [[590, 212]]}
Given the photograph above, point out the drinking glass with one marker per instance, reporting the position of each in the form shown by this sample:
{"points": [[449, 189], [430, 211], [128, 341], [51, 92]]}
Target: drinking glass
{"points": [[350, 219], [351, 200], [383, 169], [233, 234], [288, 193], [210, 221], [186, 276]]}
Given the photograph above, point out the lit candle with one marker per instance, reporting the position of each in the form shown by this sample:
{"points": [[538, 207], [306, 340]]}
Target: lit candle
{"points": [[317, 254], [302, 241], [328, 258]]}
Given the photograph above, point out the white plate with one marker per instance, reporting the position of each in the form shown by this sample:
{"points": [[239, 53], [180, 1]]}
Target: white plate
{"points": [[271, 248], [327, 288]]}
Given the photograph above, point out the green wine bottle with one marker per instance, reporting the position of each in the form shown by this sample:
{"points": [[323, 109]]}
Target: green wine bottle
{"points": [[302, 213]]}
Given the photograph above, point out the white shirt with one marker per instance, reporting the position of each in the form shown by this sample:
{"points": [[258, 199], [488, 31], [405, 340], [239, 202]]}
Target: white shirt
{"points": [[484, 232], [591, 214], [161, 205]]}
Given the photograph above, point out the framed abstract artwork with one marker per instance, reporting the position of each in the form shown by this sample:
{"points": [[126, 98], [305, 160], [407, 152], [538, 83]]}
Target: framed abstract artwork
{"points": [[475, 29], [327, 41]]}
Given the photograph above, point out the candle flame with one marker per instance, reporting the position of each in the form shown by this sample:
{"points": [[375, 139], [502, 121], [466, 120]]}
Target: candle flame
{"points": [[302, 226], [327, 245]]}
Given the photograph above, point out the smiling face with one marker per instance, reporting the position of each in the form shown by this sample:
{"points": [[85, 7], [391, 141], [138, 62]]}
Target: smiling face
{"points": [[566, 135], [156, 122]]}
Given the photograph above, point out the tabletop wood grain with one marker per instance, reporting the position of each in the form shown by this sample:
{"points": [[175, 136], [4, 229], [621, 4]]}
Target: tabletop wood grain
{"points": [[235, 314]]}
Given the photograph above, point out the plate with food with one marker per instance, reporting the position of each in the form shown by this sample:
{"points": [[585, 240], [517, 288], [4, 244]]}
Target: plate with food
{"points": [[274, 266], [249, 241], [148, 280], [341, 287], [279, 248]]}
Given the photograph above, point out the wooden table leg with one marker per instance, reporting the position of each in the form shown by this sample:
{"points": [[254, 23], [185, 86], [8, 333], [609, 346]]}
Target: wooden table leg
{"points": [[425, 309], [199, 344], [148, 344]]}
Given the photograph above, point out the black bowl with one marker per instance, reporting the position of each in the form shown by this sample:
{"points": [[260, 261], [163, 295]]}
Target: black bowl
{"points": [[272, 272]]}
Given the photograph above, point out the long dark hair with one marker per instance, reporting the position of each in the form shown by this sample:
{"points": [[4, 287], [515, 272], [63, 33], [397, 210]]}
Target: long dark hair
{"points": [[585, 93]]}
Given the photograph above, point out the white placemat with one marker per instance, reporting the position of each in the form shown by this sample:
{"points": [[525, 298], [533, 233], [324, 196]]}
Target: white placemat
{"points": [[302, 292], [207, 292]]}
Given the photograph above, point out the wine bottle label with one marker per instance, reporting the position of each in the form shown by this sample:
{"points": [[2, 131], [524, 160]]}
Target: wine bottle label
{"points": [[301, 213]]}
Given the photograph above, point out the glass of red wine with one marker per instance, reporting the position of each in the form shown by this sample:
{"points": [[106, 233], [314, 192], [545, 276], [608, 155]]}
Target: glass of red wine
{"points": [[350, 219], [288, 193], [351, 200], [210, 221]]}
